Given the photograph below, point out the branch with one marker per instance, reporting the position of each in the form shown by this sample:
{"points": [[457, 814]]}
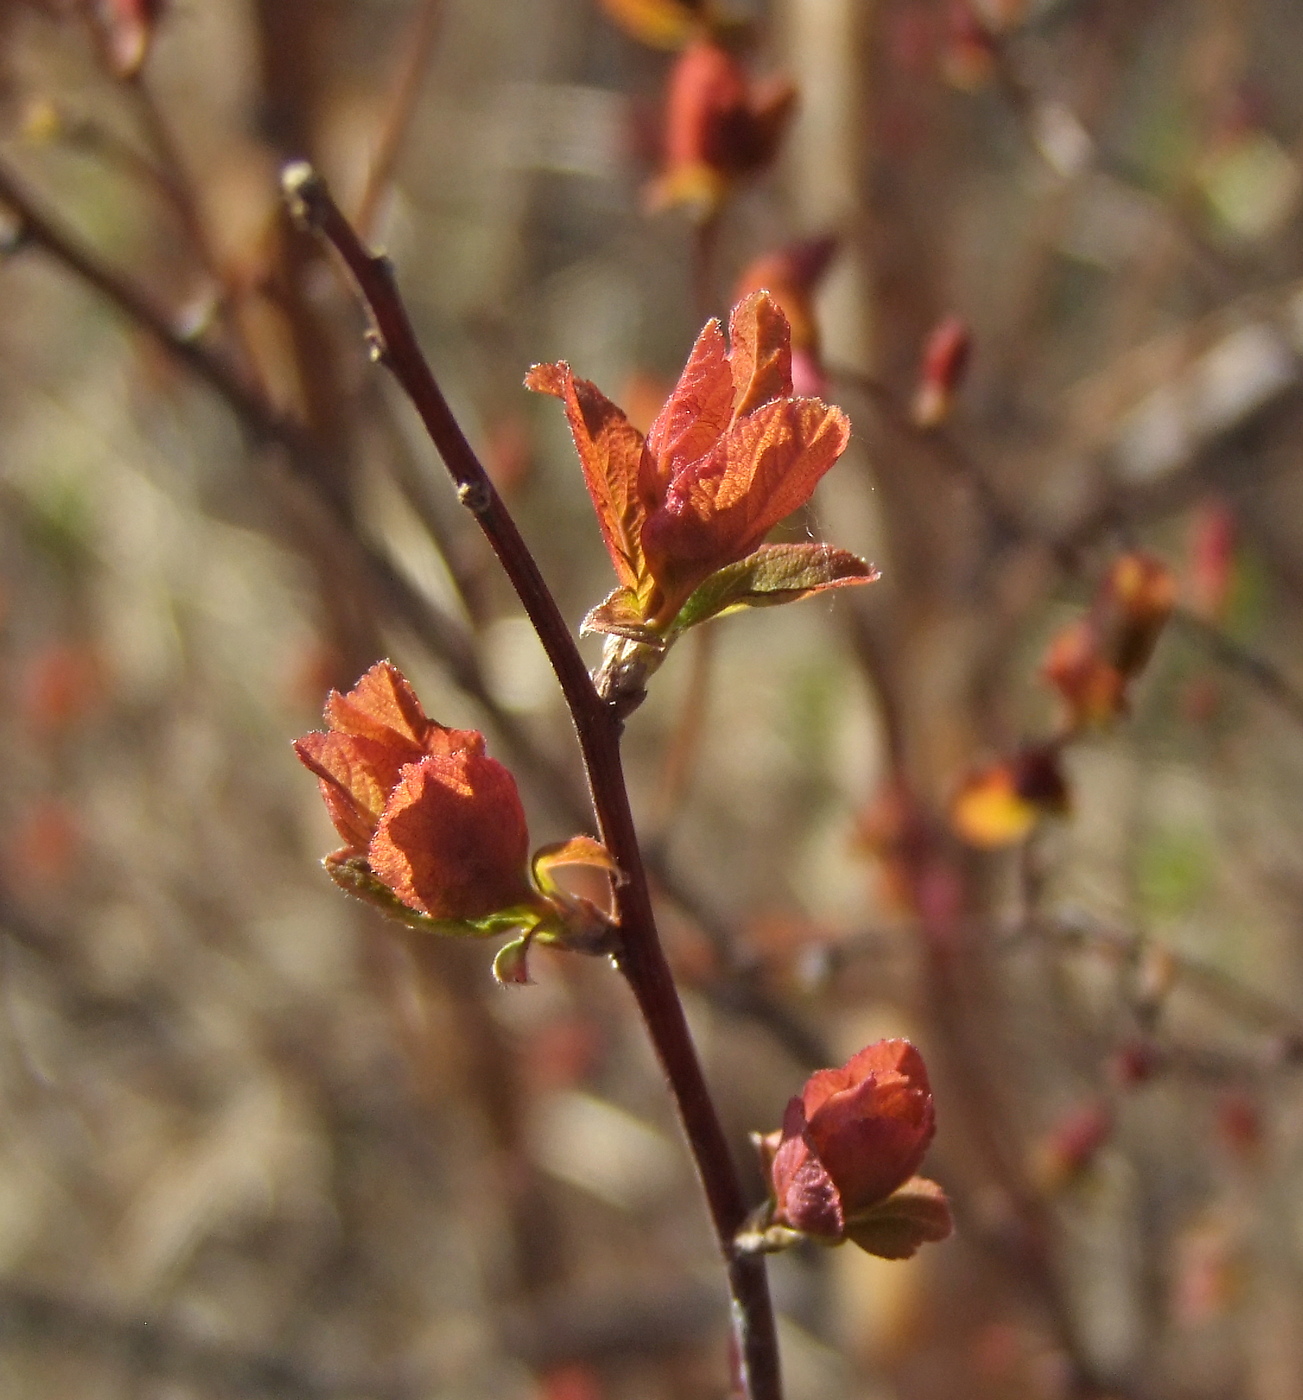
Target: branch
{"points": [[418, 48], [36, 227], [1238, 659], [640, 957], [441, 634]]}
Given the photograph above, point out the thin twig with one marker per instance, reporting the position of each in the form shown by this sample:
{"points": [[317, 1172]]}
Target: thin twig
{"points": [[1237, 658], [37, 227], [640, 957], [418, 49]]}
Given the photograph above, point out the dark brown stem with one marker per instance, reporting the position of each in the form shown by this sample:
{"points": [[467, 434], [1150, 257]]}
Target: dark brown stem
{"points": [[640, 957]]}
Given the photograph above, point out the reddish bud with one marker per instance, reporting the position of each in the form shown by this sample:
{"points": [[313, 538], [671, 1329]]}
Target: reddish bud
{"points": [[1070, 1147], [1207, 1273], [1091, 661], [127, 30], [1134, 604], [945, 362], [719, 127], [61, 684], [1093, 691], [1135, 1063], [1239, 1122], [790, 276], [571, 1381], [969, 52], [850, 1144], [1213, 535], [45, 845], [440, 824]]}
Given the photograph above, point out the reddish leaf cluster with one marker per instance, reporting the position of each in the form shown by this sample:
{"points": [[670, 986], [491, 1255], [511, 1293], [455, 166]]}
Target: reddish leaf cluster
{"points": [[435, 834], [729, 455], [439, 823], [843, 1165]]}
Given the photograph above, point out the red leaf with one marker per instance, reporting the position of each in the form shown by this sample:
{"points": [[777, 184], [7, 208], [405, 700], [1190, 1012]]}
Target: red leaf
{"points": [[719, 510], [695, 415], [760, 353], [612, 455], [452, 841], [375, 729]]}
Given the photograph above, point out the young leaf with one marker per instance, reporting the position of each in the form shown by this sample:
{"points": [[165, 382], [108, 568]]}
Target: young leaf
{"points": [[611, 453], [916, 1214], [775, 573], [760, 354], [695, 415], [721, 508], [621, 615], [579, 850], [511, 963]]}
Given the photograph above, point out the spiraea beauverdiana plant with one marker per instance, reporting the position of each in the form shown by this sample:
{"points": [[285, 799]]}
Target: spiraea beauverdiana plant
{"points": [[685, 510], [433, 827]]}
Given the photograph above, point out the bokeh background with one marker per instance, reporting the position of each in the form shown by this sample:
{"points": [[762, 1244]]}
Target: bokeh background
{"points": [[255, 1143]]}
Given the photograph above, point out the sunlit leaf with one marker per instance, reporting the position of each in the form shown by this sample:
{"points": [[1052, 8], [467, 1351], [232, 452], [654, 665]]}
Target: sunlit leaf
{"points": [[611, 453], [720, 509], [989, 811], [695, 415], [775, 573], [760, 354]]}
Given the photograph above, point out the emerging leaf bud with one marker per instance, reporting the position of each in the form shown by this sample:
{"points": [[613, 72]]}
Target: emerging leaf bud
{"points": [[435, 831], [791, 276], [1069, 1149], [719, 127], [1091, 662], [843, 1166], [685, 510], [945, 362], [127, 30], [1211, 562]]}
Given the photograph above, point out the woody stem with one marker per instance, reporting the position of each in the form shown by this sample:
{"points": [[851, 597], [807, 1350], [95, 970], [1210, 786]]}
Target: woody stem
{"points": [[640, 956]]}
